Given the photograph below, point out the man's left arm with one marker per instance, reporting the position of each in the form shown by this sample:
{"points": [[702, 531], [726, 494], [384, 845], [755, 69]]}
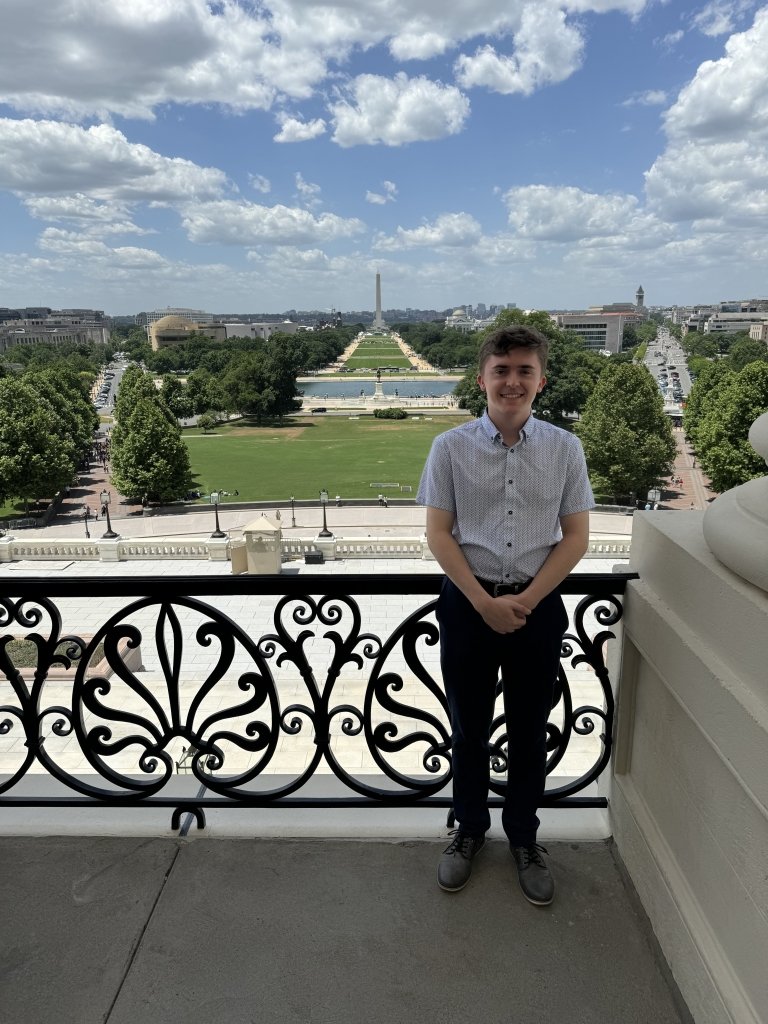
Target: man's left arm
{"points": [[566, 554]]}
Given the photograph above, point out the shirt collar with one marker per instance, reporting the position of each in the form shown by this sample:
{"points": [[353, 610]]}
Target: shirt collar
{"points": [[492, 432]]}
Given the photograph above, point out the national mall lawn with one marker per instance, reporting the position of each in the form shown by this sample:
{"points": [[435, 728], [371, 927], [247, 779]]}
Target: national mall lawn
{"points": [[306, 454]]}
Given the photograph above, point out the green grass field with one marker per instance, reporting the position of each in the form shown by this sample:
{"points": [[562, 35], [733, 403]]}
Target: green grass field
{"points": [[310, 453], [371, 354], [356, 362]]}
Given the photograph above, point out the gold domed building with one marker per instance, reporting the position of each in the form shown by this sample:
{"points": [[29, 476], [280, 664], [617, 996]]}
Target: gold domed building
{"points": [[171, 330]]}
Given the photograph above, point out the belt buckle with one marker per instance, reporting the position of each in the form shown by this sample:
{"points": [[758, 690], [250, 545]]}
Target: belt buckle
{"points": [[500, 588]]}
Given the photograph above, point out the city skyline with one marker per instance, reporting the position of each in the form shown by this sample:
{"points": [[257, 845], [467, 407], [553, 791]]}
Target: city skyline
{"points": [[223, 156]]}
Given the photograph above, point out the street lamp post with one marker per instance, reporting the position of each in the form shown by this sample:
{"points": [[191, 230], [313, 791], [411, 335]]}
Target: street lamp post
{"points": [[215, 498], [325, 532], [86, 514], [293, 511], [106, 497]]}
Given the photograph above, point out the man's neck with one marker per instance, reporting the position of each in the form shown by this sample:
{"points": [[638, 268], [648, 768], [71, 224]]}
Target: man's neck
{"points": [[510, 426]]}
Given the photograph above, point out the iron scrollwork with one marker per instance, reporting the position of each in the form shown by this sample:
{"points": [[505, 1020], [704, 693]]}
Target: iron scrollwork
{"points": [[106, 715]]}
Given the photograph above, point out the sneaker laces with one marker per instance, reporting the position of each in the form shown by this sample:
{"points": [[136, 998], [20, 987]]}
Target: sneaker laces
{"points": [[462, 843], [532, 855]]}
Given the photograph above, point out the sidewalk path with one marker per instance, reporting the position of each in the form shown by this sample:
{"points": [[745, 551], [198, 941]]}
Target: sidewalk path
{"points": [[695, 491]]}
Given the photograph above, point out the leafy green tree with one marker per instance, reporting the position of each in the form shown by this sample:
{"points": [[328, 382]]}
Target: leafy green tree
{"points": [[695, 344], [746, 350], [148, 455], [627, 437], [206, 423], [36, 460], [176, 397], [712, 379], [723, 447]]}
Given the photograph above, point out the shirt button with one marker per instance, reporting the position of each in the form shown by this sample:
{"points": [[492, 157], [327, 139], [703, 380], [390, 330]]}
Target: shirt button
{"points": [[510, 481], [509, 545], [510, 512]]}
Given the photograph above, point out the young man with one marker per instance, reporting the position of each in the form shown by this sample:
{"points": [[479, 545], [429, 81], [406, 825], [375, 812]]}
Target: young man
{"points": [[508, 501]]}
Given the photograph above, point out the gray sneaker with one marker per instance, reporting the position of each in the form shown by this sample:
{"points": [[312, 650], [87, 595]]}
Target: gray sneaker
{"points": [[537, 883], [455, 865]]}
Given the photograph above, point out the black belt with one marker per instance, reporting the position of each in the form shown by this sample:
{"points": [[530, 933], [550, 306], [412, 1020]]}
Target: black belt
{"points": [[499, 589]]}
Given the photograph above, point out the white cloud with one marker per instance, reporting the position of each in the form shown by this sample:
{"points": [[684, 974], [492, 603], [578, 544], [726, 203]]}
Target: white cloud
{"points": [[294, 130], [307, 192], [546, 50], [726, 180], [670, 40], [236, 223], [727, 98], [720, 17], [387, 195], [449, 229], [52, 158], [259, 183], [90, 215], [567, 215], [650, 98], [715, 167], [397, 110], [86, 58]]}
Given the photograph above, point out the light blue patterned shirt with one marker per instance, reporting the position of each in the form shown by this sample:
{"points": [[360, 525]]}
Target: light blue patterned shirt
{"points": [[507, 501]]}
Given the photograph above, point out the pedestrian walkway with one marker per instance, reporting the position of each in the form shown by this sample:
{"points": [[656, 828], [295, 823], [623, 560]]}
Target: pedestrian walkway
{"points": [[694, 491], [85, 493]]}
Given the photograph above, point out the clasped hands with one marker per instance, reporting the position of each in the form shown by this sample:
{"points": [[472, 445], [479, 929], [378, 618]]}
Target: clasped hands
{"points": [[505, 614]]}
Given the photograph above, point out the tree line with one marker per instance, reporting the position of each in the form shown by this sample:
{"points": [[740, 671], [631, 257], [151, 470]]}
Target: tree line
{"points": [[47, 422]]}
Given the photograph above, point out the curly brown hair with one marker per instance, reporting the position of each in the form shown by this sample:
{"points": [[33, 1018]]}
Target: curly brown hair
{"points": [[516, 336]]}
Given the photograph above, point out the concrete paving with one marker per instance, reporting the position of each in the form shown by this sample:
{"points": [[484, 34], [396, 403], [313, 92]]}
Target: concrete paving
{"points": [[119, 931]]}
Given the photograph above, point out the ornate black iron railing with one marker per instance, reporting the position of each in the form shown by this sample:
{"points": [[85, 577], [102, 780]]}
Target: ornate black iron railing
{"points": [[169, 681]]}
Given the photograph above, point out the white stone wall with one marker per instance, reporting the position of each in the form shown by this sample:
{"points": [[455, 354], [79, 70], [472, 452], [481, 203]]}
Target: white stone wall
{"points": [[690, 794]]}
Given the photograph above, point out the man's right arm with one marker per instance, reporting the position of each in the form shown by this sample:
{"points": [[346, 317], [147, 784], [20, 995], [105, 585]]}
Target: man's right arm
{"points": [[502, 614]]}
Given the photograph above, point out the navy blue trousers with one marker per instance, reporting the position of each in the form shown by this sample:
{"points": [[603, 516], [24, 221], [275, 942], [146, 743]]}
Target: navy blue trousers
{"points": [[472, 655]]}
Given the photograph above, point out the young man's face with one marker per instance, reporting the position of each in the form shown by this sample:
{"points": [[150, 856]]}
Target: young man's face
{"points": [[511, 382]]}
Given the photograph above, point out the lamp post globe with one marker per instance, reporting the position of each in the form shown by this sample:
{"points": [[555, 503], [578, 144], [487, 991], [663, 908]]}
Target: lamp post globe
{"points": [[325, 532], [218, 533], [105, 497]]}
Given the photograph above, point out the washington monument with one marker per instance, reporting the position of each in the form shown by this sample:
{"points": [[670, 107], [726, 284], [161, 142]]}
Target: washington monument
{"points": [[378, 323]]}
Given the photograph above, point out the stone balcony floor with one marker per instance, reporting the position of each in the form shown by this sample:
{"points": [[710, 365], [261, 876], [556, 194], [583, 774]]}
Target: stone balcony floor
{"points": [[315, 931]]}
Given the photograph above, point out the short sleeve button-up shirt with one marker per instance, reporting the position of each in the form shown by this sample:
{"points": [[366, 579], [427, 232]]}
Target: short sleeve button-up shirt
{"points": [[507, 501]]}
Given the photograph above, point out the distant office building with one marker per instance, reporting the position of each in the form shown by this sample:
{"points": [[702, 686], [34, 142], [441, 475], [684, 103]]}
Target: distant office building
{"points": [[759, 332], [601, 332], [732, 323], [197, 316], [55, 330], [640, 297]]}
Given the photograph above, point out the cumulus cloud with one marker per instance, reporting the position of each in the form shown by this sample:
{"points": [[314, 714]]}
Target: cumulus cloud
{"points": [[727, 98], [294, 130], [449, 229], [259, 183], [397, 110], [73, 244], [232, 223], [567, 214], [387, 195], [715, 168], [720, 17], [52, 158], [90, 215], [547, 49], [307, 192], [85, 58], [650, 98]]}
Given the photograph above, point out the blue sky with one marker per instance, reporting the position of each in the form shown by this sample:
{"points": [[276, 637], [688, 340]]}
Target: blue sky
{"points": [[259, 157]]}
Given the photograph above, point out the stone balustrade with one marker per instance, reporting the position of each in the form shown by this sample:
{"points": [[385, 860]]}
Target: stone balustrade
{"points": [[219, 549]]}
